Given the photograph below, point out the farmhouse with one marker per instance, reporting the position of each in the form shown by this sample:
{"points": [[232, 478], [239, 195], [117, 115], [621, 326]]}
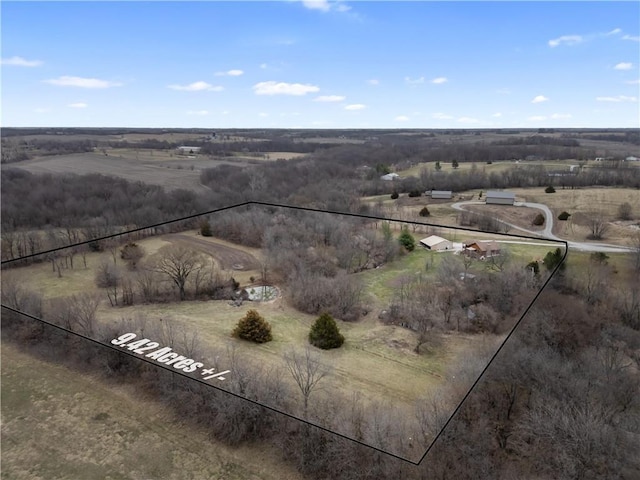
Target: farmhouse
{"points": [[500, 198], [441, 194], [436, 243], [389, 176], [187, 150], [481, 249]]}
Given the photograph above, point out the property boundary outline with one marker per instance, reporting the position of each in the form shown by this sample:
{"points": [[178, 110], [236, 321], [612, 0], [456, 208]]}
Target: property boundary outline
{"points": [[314, 210]]}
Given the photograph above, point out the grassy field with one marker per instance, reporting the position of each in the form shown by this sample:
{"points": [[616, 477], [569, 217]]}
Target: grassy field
{"points": [[124, 167], [580, 203], [59, 424]]}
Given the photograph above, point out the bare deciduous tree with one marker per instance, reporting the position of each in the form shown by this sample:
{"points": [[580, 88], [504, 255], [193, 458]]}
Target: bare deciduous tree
{"points": [[598, 226], [178, 262], [307, 371]]}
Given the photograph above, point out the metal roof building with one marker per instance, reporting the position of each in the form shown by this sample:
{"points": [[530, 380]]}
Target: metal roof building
{"points": [[500, 198]]}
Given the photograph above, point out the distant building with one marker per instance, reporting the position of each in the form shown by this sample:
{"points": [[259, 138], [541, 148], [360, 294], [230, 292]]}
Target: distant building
{"points": [[389, 176], [500, 198], [632, 159], [436, 243], [441, 194], [187, 150]]}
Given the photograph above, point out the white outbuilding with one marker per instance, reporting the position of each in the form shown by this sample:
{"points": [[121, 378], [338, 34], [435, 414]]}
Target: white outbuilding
{"points": [[436, 243], [494, 197]]}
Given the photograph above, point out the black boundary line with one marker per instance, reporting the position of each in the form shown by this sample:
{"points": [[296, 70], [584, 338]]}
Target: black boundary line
{"points": [[315, 210], [203, 382]]}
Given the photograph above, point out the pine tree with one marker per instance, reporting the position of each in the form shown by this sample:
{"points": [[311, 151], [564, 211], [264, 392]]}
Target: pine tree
{"points": [[325, 333], [407, 240], [253, 327]]}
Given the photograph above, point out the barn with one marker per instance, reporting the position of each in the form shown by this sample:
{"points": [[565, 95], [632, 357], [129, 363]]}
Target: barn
{"points": [[441, 194], [500, 198], [436, 243]]}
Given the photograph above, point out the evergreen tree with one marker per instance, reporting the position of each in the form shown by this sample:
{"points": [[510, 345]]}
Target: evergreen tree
{"points": [[325, 334], [253, 327], [407, 240]]}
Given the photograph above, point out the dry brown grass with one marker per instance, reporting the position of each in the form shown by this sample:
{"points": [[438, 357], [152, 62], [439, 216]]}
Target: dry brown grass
{"points": [[57, 423], [580, 203]]}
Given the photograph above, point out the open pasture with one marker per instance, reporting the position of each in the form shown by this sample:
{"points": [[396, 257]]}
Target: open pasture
{"points": [[123, 167], [117, 433]]}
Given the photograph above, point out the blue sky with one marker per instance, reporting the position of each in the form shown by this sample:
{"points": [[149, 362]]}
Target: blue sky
{"points": [[319, 64]]}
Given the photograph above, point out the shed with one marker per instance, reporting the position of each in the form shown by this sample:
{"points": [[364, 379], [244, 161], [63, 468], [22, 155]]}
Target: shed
{"points": [[436, 243], [441, 194], [500, 198]]}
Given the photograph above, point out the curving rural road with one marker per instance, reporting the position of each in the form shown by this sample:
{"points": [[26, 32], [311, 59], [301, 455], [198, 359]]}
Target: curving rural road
{"points": [[547, 232]]}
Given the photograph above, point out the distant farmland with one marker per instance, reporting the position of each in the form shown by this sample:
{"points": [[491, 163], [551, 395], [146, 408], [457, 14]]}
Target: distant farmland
{"points": [[168, 176]]}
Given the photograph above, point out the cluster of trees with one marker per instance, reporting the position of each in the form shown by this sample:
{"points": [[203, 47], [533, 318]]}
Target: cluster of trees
{"points": [[456, 300], [324, 332], [32, 201]]}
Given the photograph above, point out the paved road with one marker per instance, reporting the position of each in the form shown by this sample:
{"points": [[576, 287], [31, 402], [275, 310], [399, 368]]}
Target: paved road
{"points": [[548, 230]]}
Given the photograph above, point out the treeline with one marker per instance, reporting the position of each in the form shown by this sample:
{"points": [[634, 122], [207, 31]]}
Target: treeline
{"points": [[32, 201], [24, 150], [539, 140]]}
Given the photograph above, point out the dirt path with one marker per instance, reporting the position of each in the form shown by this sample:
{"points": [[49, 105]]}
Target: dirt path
{"points": [[228, 258]]}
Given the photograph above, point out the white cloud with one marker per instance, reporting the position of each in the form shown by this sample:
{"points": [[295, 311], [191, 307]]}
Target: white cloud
{"points": [[373, 81], [537, 118], [619, 98], [414, 81], [561, 116], [329, 98], [633, 82], [568, 40], [198, 112], [615, 31], [623, 66], [197, 87], [539, 99], [67, 81], [264, 66], [355, 106], [629, 37], [402, 118], [20, 62], [322, 5], [468, 120], [439, 80], [41, 110], [78, 105], [283, 88], [497, 115], [230, 73], [441, 116], [262, 114], [326, 5]]}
